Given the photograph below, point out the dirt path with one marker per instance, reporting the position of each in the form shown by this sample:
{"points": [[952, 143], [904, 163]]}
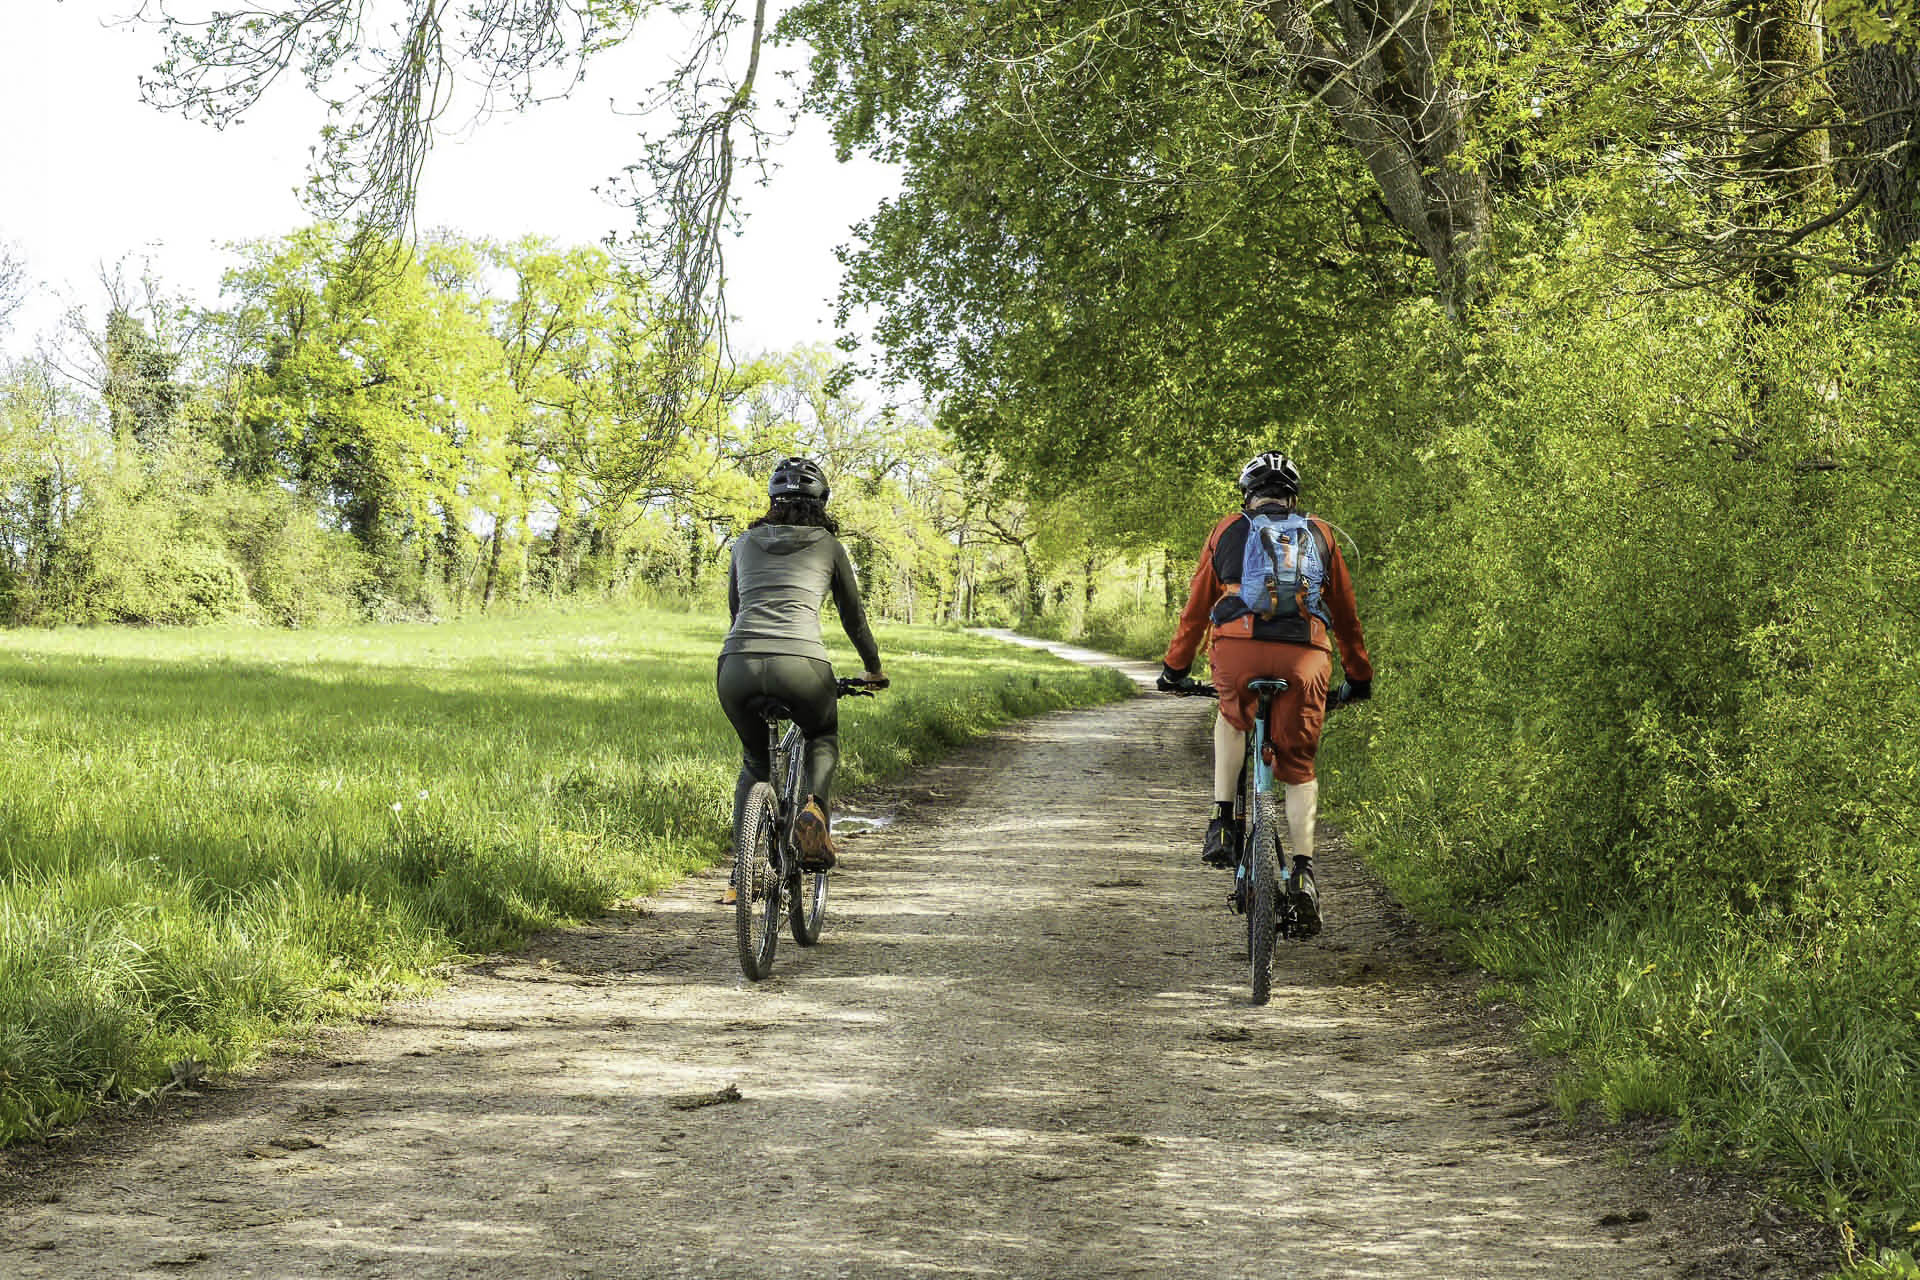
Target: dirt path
{"points": [[1023, 1049]]}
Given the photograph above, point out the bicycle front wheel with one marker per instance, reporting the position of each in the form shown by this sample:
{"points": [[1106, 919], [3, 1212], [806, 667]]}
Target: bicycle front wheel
{"points": [[756, 908], [1264, 890]]}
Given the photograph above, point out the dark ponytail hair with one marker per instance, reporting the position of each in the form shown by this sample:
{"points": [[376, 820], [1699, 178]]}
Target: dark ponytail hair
{"points": [[1290, 497], [806, 512]]}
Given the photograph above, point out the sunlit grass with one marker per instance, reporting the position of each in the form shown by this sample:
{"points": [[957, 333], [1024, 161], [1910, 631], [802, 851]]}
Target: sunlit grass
{"points": [[211, 837]]}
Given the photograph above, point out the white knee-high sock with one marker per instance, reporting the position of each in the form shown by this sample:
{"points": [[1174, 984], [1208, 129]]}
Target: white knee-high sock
{"points": [[1303, 808], [1229, 753]]}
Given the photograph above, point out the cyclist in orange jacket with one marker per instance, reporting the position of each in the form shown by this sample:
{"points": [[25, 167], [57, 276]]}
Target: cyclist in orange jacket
{"points": [[1289, 641]]}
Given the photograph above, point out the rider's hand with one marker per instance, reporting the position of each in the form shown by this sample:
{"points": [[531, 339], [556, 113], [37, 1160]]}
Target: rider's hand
{"points": [[1172, 681], [875, 678], [1349, 691]]}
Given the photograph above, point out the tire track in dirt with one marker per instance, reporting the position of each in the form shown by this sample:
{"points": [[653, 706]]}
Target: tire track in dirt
{"points": [[1023, 1048]]}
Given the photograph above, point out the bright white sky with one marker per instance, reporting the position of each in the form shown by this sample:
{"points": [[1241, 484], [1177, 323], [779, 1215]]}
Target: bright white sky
{"points": [[90, 174]]}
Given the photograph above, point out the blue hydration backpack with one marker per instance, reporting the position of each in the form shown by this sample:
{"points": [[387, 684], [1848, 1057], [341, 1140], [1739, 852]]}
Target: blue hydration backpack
{"points": [[1283, 568]]}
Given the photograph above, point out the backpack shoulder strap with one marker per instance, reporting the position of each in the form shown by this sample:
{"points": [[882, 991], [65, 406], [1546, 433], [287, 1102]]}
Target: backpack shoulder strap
{"points": [[1226, 556], [1319, 539]]}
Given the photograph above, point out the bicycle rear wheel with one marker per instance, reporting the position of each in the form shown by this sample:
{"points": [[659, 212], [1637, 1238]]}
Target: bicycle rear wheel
{"points": [[807, 890], [756, 909], [807, 906], [1264, 890]]}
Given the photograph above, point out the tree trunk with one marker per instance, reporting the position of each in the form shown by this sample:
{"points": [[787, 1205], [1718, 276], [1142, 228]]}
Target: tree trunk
{"points": [[493, 564], [1036, 589], [1781, 47], [1380, 69], [1881, 86], [40, 506]]}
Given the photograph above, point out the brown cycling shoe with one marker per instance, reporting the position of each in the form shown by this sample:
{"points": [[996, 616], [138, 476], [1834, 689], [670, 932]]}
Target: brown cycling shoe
{"points": [[816, 843]]}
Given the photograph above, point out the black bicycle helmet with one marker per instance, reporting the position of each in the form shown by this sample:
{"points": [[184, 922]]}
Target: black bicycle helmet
{"points": [[798, 478], [1270, 474]]}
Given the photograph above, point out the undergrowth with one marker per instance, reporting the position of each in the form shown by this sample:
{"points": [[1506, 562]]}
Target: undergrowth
{"points": [[1646, 728]]}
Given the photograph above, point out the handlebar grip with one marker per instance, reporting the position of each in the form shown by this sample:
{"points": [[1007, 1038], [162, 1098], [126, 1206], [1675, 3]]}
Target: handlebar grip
{"points": [[1194, 689]]}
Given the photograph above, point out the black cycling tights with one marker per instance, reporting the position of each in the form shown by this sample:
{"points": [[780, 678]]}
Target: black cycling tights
{"points": [[747, 682]]}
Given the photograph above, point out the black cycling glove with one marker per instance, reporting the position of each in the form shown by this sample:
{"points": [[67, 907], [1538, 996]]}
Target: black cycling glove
{"points": [[1349, 691], [1171, 681]]}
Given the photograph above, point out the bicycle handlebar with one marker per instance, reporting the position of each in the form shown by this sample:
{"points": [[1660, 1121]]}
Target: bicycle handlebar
{"points": [[1194, 689], [857, 687]]}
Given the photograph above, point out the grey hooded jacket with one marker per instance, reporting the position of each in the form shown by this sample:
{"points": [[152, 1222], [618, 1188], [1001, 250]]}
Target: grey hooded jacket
{"points": [[779, 575]]}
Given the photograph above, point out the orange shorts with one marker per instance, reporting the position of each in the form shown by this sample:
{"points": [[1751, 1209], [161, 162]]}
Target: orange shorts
{"points": [[1294, 723]]}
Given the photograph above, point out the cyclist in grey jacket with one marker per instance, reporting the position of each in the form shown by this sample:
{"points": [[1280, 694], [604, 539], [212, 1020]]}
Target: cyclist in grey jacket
{"points": [[782, 569]]}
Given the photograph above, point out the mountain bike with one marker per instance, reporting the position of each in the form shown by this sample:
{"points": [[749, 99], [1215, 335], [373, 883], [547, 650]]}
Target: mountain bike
{"points": [[767, 876], [1264, 887]]}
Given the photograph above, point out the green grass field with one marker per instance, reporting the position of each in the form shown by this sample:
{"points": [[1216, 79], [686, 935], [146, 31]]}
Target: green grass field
{"points": [[212, 838]]}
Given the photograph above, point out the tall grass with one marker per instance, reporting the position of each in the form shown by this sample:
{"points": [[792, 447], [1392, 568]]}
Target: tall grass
{"points": [[209, 838]]}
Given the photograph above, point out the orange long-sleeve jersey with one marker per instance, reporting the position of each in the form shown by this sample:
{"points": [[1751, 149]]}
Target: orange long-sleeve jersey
{"points": [[1208, 588]]}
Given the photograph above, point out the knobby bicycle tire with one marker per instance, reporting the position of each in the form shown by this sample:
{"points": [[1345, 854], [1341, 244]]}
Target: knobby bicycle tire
{"points": [[807, 890], [1264, 891], [807, 906], [756, 909]]}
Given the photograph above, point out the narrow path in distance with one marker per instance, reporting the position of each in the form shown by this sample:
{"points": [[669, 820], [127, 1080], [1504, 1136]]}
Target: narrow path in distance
{"points": [[1022, 1049]]}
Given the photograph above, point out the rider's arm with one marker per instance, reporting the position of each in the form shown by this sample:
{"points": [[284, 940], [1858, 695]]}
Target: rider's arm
{"points": [[1202, 593], [853, 614], [733, 591], [1337, 594]]}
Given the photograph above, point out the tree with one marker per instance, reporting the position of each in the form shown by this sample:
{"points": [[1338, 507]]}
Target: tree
{"points": [[49, 450], [133, 358], [13, 283], [1752, 142], [385, 403], [580, 337], [387, 94]]}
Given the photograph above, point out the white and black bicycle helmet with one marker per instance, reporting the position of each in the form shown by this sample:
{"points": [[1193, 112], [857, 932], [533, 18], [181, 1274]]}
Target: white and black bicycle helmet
{"points": [[1270, 474], [798, 478]]}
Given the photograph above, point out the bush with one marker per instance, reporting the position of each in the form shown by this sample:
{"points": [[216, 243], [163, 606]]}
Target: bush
{"points": [[130, 562], [164, 538], [298, 572], [1648, 717]]}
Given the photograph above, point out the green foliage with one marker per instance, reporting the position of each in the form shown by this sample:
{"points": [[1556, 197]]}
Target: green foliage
{"points": [[1164, 299], [1646, 725], [1886, 1264], [470, 429], [298, 572], [214, 837]]}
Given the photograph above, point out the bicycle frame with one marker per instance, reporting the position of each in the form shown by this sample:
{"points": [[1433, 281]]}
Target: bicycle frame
{"points": [[784, 752], [1259, 770], [1256, 762]]}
